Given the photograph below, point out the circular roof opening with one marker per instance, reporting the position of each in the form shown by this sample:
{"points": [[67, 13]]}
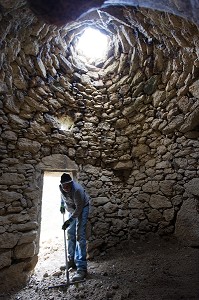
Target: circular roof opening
{"points": [[93, 45]]}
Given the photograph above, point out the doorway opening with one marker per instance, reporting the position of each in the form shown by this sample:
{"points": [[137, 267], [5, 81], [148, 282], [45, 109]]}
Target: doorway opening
{"points": [[51, 247]]}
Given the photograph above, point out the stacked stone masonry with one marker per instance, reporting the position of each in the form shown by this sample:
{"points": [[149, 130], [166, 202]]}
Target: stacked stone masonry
{"points": [[133, 134]]}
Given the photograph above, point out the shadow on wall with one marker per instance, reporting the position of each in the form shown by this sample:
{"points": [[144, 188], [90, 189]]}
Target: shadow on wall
{"points": [[123, 175], [187, 223], [62, 12]]}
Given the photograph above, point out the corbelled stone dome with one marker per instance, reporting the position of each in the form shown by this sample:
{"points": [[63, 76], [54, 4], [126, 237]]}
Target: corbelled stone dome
{"points": [[126, 125]]}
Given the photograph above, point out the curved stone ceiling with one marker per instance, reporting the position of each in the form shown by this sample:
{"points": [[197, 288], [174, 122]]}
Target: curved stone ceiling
{"points": [[62, 12], [185, 8], [53, 79]]}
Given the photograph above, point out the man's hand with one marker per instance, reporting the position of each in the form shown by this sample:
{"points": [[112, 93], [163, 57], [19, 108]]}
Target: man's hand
{"points": [[66, 224], [62, 209]]}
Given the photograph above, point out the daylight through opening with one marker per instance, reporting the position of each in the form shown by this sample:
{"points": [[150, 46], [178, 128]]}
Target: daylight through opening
{"points": [[92, 44]]}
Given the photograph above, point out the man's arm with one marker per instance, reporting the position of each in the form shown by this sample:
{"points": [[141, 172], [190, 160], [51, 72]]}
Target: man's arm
{"points": [[79, 204], [62, 207]]}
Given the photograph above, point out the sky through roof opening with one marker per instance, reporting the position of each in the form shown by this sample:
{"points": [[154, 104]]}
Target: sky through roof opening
{"points": [[93, 44]]}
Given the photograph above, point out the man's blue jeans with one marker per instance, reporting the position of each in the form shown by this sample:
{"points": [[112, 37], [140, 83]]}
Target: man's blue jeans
{"points": [[76, 234]]}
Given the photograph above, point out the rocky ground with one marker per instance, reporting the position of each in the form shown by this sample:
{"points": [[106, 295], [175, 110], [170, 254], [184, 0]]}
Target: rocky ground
{"points": [[151, 270]]}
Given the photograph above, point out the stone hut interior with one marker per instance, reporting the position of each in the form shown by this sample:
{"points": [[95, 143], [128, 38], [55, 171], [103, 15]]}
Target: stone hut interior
{"points": [[123, 122]]}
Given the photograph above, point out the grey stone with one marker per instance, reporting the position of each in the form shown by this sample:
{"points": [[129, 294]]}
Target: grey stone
{"points": [[11, 178], [8, 240], [194, 89], [5, 259], [150, 187], [192, 186], [9, 197], [187, 223], [24, 251], [123, 165], [154, 216], [100, 201], [158, 201]]}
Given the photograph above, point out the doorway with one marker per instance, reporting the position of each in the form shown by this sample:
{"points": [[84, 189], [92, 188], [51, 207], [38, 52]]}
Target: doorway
{"points": [[51, 247]]}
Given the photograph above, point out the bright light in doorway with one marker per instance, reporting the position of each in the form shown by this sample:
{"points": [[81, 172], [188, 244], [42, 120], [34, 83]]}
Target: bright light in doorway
{"points": [[51, 246], [93, 44]]}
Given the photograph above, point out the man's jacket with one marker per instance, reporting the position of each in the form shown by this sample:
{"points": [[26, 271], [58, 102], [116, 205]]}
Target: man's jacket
{"points": [[75, 200]]}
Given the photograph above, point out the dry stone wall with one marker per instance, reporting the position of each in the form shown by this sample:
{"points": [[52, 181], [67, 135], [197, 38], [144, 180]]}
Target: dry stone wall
{"points": [[133, 132]]}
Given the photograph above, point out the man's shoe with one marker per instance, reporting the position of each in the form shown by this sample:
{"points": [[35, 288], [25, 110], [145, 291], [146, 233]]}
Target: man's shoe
{"points": [[79, 276], [71, 265]]}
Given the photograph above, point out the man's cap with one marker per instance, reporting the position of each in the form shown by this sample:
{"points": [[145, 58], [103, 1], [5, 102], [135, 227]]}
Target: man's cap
{"points": [[66, 178]]}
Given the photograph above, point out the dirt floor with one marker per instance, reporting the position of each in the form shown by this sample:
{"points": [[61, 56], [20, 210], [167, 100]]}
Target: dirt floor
{"points": [[152, 270], [141, 270]]}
